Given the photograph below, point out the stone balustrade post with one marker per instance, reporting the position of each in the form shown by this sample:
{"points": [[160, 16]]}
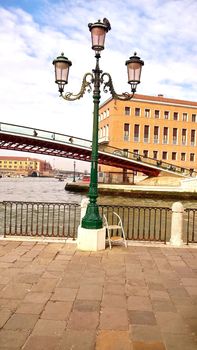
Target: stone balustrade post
{"points": [[177, 224]]}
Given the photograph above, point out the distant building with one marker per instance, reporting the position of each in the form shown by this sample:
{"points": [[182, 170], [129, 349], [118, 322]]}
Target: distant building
{"points": [[26, 166], [153, 126]]}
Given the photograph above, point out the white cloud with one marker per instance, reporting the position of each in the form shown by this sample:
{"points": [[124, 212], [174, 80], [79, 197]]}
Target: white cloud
{"points": [[162, 32]]}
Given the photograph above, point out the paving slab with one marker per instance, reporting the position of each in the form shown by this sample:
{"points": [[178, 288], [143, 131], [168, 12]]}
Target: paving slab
{"points": [[54, 297]]}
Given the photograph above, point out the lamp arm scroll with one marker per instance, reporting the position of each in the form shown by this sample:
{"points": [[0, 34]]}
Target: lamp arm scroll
{"points": [[108, 86], [86, 84]]}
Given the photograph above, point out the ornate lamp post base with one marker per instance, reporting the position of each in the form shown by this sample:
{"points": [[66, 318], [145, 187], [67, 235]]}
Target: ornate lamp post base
{"points": [[92, 219]]}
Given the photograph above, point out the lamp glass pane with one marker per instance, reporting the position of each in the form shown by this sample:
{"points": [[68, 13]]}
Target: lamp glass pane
{"points": [[98, 38], [134, 72], [61, 72]]}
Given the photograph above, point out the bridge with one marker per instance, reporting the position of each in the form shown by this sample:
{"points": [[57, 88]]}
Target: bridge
{"points": [[26, 139]]}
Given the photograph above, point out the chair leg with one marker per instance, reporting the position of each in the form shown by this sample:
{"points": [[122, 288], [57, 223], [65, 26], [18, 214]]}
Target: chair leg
{"points": [[124, 239], [109, 240]]}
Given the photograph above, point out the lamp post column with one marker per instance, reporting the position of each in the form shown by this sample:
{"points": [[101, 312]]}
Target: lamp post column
{"points": [[74, 180], [92, 219]]}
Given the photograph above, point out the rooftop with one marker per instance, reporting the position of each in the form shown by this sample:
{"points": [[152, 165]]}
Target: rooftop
{"points": [[161, 99]]}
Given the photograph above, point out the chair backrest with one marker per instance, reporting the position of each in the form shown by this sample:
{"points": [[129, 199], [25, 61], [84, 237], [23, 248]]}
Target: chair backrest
{"points": [[119, 219], [105, 222]]}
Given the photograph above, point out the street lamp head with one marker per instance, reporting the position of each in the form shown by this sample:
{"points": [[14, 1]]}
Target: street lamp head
{"points": [[62, 65], [134, 68], [98, 31]]}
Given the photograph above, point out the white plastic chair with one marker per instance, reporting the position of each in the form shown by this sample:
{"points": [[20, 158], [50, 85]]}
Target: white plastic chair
{"points": [[118, 239]]}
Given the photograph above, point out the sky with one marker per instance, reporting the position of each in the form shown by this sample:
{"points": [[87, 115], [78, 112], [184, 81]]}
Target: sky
{"points": [[33, 33]]}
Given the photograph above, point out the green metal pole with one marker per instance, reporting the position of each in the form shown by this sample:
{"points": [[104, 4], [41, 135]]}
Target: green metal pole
{"points": [[92, 219]]}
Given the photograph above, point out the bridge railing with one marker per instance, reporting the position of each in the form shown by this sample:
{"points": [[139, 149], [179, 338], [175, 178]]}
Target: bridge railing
{"points": [[43, 134], [162, 165]]}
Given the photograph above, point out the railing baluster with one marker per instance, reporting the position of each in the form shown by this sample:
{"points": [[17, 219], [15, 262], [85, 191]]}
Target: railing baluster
{"points": [[26, 221], [63, 222], [138, 223], [53, 217], [32, 217], [149, 223], [193, 225]]}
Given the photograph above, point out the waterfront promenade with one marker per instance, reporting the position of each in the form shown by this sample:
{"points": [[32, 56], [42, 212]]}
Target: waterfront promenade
{"points": [[54, 297]]}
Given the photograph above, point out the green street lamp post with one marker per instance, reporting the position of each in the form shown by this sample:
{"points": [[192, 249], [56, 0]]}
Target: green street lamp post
{"points": [[92, 219]]}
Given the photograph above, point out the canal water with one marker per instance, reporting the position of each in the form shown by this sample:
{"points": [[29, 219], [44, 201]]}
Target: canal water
{"points": [[52, 190]]}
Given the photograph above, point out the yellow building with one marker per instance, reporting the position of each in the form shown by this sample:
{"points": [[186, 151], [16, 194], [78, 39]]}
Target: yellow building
{"points": [[153, 126], [24, 166]]}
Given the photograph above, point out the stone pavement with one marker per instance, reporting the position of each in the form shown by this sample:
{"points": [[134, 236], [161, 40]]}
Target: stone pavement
{"points": [[57, 298]]}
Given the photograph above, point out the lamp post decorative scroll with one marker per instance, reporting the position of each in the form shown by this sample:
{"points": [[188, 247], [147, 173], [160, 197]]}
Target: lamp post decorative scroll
{"points": [[92, 219]]}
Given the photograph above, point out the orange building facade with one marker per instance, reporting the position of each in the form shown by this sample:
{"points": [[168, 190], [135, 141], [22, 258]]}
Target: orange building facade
{"points": [[153, 126]]}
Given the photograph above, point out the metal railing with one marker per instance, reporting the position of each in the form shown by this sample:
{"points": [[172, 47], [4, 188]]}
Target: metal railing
{"points": [[141, 223], [57, 220], [61, 220], [190, 223]]}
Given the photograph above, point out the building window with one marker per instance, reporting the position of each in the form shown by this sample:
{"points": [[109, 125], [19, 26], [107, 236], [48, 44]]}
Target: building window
{"points": [[193, 118], [183, 156], [164, 155], [165, 135], [184, 117], [192, 157], [127, 110], [184, 136], [193, 137], [107, 112], [145, 153], [126, 132], [137, 112], [174, 155], [146, 133], [156, 113], [175, 136], [166, 115], [155, 154], [156, 134], [175, 116], [136, 132], [147, 113]]}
